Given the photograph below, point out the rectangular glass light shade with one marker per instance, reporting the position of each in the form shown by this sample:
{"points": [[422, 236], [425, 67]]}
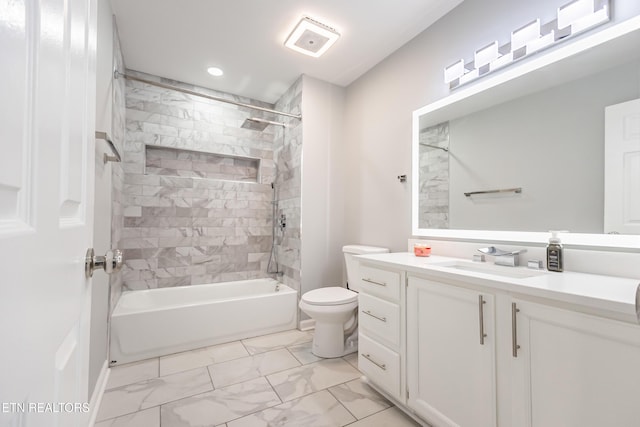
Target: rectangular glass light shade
{"points": [[541, 42], [574, 11], [486, 55], [522, 36], [590, 20], [454, 71]]}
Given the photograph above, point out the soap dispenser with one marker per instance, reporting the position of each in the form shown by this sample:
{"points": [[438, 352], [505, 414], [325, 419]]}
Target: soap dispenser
{"points": [[554, 253]]}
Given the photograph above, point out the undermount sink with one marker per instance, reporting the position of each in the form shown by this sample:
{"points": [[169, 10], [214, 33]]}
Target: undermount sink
{"points": [[496, 270]]}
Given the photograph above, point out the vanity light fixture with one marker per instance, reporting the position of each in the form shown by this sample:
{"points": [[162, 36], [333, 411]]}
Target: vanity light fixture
{"points": [[571, 19], [311, 37], [215, 71]]}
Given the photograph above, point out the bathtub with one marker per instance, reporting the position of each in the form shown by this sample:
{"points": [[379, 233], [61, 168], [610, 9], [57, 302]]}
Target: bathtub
{"points": [[158, 322]]}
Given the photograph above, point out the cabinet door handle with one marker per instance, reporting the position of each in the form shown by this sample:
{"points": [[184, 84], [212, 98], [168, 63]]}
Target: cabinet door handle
{"points": [[514, 329], [374, 282], [367, 312], [481, 303], [379, 365]]}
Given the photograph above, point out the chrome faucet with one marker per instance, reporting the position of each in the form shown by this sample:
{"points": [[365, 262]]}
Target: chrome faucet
{"points": [[506, 258]]}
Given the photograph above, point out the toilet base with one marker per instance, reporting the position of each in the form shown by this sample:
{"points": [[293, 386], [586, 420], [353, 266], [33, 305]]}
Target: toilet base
{"points": [[329, 341]]}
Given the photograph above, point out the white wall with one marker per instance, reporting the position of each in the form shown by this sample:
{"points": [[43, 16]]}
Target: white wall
{"points": [[322, 184], [379, 105]]}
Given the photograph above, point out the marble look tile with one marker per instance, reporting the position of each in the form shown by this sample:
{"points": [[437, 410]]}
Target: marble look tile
{"points": [[303, 353], [360, 399], [352, 359], [392, 417], [147, 418], [220, 406], [132, 373], [246, 368], [201, 357], [146, 394], [319, 409], [276, 341], [297, 382]]}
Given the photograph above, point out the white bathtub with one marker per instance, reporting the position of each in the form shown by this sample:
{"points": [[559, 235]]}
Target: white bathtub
{"points": [[157, 322]]}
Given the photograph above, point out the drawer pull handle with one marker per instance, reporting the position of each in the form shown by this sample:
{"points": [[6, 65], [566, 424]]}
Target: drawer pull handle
{"points": [[374, 282], [514, 329], [384, 319], [481, 303], [368, 357]]}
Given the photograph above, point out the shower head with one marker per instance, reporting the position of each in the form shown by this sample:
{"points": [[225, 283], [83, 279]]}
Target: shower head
{"points": [[255, 123]]}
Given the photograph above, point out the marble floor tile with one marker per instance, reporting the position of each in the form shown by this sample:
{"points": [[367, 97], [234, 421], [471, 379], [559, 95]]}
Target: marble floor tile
{"points": [[147, 418], [132, 373], [392, 417], [201, 357], [220, 406], [319, 409], [276, 341], [360, 399], [146, 394], [247, 368], [306, 379], [303, 353], [352, 359]]}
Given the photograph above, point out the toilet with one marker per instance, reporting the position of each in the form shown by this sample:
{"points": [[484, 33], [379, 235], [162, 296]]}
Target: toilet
{"points": [[335, 309]]}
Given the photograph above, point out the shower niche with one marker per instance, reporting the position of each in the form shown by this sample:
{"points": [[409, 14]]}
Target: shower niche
{"points": [[183, 163]]}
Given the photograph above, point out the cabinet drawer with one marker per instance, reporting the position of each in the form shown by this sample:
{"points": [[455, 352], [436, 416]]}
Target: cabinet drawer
{"points": [[380, 319], [383, 283], [379, 364]]}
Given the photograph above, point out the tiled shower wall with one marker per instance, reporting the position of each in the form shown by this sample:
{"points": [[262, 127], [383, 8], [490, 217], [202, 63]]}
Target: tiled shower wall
{"points": [[288, 157], [434, 177], [180, 226]]}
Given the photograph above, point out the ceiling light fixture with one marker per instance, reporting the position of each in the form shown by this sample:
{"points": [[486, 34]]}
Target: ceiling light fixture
{"points": [[215, 71], [311, 37]]}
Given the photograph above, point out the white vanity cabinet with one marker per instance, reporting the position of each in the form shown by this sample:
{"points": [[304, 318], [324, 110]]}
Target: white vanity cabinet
{"points": [[572, 369], [381, 329], [451, 363], [462, 349]]}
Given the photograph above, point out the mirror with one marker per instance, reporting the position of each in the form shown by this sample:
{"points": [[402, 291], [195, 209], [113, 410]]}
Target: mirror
{"points": [[522, 152]]}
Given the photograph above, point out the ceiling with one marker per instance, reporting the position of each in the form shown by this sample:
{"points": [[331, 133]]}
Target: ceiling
{"points": [[180, 39]]}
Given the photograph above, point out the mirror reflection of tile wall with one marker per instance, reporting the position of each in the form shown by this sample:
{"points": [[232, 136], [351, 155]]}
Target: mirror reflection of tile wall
{"points": [[434, 177]]}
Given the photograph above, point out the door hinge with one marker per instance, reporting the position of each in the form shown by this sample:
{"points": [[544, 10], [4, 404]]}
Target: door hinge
{"points": [[407, 394], [406, 281]]}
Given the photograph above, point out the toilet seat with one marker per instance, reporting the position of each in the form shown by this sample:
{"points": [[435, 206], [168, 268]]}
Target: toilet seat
{"points": [[334, 295]]}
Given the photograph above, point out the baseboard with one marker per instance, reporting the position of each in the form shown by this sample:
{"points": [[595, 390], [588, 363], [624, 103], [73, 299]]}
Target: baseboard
{"points": [[307, 325], [98, 392]]}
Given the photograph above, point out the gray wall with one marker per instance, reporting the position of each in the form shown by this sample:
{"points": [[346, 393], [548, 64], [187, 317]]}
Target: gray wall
{"points": [[380, 103], [322, 184]]}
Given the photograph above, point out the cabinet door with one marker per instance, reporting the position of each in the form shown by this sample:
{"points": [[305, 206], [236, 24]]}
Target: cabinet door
{"points": [[451, 374], [574, 369]]}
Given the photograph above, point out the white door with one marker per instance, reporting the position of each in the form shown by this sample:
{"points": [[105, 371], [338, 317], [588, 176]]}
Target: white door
{"points": [[47, 102], [451, 370], [622, 168]]}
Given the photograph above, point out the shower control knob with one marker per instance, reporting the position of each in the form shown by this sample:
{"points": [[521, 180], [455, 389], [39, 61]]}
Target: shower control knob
{"points": [[111, 262]]}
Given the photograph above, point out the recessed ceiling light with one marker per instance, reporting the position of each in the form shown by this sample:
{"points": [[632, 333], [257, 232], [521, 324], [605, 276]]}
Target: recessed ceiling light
{"points": [[311, 37], [215, 71]]}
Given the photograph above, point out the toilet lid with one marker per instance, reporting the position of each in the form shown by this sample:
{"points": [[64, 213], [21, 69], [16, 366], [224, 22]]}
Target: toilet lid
{"points": [[330, 296]]}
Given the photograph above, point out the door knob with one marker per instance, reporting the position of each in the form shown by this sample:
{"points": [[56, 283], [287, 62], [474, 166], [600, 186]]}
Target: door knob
{"points": [[111, 262]]}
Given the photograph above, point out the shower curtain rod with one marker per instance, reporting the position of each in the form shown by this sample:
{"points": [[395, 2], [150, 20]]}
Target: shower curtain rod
{"points": [[117, 74]]}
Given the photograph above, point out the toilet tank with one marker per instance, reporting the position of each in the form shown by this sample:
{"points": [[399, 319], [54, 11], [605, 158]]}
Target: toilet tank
{"points": [[352, 264]]}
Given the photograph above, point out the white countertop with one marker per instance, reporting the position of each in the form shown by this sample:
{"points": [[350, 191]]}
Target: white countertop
{"points": [[608, 294]]}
